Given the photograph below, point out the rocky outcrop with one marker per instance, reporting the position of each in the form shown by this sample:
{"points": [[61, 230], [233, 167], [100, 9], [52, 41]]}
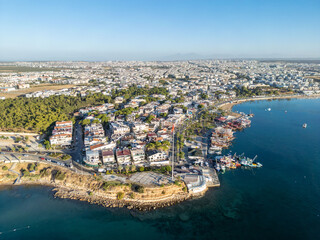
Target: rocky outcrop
{"points": [[95, 191]]}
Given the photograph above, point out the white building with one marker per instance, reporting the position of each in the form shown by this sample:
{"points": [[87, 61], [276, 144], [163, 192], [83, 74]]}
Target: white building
{"points": [[157, 158], [62, 134], [92, 158]]}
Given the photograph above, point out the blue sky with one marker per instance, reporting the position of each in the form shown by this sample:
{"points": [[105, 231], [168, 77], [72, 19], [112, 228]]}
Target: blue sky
{"points": [[158, 29]]}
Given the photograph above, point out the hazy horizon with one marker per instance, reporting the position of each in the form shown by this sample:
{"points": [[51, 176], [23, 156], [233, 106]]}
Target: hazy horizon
{"points": [[158, 30]]}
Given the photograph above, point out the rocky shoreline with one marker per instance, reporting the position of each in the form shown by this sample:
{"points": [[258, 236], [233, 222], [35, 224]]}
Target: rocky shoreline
{"points": [[141, 205], [89, 189]]}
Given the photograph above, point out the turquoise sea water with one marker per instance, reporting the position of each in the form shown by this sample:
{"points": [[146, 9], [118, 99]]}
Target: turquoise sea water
{"points": [[279, 201]]}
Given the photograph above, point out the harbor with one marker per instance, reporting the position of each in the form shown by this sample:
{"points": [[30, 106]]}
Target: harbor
{"points": [[205, 155]]}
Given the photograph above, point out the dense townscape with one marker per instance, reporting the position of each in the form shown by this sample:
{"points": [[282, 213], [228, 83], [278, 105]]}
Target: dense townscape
{"points": [[116, 118]]}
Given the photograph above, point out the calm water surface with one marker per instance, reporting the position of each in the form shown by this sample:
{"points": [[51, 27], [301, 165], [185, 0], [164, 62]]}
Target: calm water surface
{"points": [[279, 201]]}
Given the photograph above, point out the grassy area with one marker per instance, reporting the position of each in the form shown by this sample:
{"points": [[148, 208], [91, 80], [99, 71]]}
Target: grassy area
{"points": [[40, 87]]}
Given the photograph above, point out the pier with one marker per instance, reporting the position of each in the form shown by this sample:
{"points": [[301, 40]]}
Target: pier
{"points": [[211, 177]]}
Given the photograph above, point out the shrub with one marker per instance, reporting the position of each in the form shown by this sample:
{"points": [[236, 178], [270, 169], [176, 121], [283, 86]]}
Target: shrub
{"points": [[176, 182], [107, 185], [4, 168], [163, 192], [31, 167], [60, 175], [90, 193], [184, 189], [141, 169], [24, 172], [120, 195], [65, 157], [43, 172], [138, 188], [132, 195]]}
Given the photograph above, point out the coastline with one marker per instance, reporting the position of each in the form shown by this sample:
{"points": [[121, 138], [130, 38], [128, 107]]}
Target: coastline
{"points": [[89, 189], [228, 106]]}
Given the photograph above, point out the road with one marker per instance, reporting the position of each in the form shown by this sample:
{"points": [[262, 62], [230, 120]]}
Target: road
{"points": [[17, 181], [78, 144], [23, 157]]}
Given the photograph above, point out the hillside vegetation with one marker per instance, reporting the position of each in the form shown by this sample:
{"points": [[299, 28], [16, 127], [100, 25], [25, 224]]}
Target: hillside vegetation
{"points": [[37, 114]]}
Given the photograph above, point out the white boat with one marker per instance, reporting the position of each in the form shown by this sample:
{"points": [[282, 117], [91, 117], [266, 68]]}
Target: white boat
{"points": [[304, 125], [269, 109]]}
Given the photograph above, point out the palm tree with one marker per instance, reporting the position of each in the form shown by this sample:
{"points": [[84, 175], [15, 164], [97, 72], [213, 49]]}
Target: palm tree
{"points": [[120, 168], [27, 149], [133, 168]]}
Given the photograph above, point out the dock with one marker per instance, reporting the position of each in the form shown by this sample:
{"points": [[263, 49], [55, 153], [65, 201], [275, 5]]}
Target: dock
{"points": [[211, 177]]}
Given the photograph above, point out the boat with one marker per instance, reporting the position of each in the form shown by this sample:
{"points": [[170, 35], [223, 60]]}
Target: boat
{"points": [[269, 109], [255, 165], [304, 125], [217, 167]]}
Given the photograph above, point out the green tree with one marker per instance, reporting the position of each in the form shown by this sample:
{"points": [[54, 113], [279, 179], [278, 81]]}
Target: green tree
{"points": [[168, 168], [85, 122], [31, 167], [47, 144], [181, 155], [133, 168], [127, 168]]}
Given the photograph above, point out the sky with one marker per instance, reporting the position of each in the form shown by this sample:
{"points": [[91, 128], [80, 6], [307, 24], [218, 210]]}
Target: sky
{"points": [[95, 30]]}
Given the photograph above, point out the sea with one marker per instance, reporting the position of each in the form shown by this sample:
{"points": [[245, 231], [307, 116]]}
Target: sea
{"points": [[281, 200]]}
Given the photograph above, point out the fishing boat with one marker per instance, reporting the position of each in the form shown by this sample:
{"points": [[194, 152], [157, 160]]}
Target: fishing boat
{"points": [[255, 165], [304, 125]]}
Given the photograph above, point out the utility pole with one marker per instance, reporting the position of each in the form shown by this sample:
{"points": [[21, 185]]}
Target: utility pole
{"points": [[172, 153]]}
